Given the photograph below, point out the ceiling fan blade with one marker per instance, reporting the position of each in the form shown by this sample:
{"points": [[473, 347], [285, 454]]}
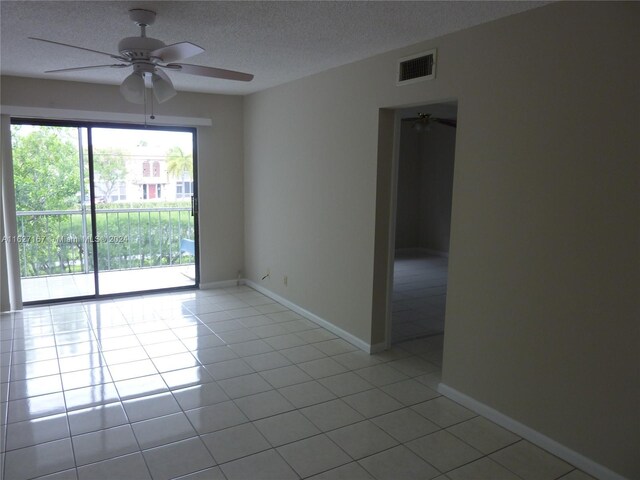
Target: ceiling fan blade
{"points": [[122, 59], [177, 51], [444, 121], [119, 65], [210, 72]]}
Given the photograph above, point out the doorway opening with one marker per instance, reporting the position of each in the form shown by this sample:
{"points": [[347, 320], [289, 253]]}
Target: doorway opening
{"points": [[413, 214], [104, 209], [425, 161]]}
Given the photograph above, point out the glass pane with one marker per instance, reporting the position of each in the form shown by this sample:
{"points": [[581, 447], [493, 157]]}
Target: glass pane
{"points": [[53, 217], [145, 231]]}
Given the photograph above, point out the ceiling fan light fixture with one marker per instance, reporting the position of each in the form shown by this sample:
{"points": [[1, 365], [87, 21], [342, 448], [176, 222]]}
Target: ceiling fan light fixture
{"points": [[147, 55], [132, 89], [422, 124], [162, 86]]}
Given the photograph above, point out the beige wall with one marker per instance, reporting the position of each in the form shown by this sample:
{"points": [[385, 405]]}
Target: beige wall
{"points": [[425, 181], [409, 183], [542, 314], [436, 187], [220, 151]]}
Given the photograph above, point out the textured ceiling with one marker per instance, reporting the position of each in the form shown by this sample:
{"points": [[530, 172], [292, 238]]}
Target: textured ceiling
{"points": [[276, 41]]}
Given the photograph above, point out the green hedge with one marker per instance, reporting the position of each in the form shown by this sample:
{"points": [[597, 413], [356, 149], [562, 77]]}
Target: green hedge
{"points": [[53, 244]]}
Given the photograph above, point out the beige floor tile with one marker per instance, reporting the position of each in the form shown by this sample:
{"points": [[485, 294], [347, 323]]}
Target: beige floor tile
{"points": [[235, 442], [313, 455], [331, 415], [443, 450], [268, 465], [531, 462], [483, 434], [398, 462], [481, 469], [350, 471], [443, 411], [362, 439], [405, 425]]}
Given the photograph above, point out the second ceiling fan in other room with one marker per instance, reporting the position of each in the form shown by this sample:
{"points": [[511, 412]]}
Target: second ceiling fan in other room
{"points": [[424, 121]]}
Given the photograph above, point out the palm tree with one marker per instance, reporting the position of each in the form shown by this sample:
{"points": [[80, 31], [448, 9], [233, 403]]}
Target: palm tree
{"points": [[179, 164]]}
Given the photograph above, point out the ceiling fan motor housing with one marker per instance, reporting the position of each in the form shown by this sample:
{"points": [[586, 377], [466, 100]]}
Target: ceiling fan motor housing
{"points": [[138, 48]]}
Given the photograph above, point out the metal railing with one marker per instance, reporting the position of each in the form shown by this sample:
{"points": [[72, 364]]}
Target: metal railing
{"points": [[57, 242]]}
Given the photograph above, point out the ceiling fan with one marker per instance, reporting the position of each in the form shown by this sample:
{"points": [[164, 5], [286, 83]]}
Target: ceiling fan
{"points": [[424, 121], [149, 58]]}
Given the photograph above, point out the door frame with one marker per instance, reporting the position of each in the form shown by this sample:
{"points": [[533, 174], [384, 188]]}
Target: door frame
{"points": [[389, 132]]}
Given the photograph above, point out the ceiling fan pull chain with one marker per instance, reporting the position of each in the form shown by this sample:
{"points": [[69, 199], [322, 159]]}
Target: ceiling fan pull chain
{"points": [[145, 107], [152, 117]]}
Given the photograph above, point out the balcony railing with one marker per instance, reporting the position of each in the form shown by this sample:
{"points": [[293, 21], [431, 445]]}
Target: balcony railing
{"points": [[59, 242]]}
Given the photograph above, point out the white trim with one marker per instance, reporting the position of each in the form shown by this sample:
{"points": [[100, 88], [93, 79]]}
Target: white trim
{"points": [[378, 347], [352, 339], [586, 464], [393, 212], [8, 217], [221, 284], [92, 116], [422, 251]]}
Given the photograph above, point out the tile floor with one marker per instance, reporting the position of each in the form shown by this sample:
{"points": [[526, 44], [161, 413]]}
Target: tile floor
{"points": [[419, 295], [226, 384]]}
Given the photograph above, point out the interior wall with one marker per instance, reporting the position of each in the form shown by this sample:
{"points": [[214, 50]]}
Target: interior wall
{"points": [[542, 300], [436, 187], [425, 188], [408, 202], [220, 155]]}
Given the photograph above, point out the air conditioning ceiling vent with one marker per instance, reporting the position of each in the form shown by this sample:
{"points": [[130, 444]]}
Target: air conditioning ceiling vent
{"points": [[418, 67]]}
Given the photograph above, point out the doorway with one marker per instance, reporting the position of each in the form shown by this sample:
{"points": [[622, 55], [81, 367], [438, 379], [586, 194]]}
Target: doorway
{"points": [[104, 209], [425, 160]]}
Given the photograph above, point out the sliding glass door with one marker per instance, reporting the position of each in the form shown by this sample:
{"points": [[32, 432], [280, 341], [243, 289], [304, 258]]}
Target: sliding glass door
{"points": [[143, 184], [104, 209]]}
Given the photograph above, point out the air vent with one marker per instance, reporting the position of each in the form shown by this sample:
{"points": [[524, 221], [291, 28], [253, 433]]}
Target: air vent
{"points": [[418, 67]]}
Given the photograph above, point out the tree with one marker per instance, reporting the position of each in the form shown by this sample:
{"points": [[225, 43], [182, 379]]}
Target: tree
{"points": [[110, 170], [45, 167], [46, 177], [179, 164]]}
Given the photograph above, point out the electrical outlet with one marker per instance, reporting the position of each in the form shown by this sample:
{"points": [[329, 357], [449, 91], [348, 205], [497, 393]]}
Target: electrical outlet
{"points": [[285, 280]]}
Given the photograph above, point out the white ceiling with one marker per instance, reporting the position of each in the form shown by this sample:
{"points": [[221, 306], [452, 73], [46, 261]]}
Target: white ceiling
{"points": [[276, 41]]}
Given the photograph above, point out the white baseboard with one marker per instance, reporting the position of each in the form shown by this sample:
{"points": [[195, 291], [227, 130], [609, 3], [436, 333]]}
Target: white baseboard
{"points": [[422, 251], [221, 284], [583, 463], [352, 339], [437, 253], [378, 347]]}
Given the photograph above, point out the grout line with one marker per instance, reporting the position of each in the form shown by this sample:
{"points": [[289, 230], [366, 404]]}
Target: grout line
{"points": [[129, 316], [64, 397]]}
